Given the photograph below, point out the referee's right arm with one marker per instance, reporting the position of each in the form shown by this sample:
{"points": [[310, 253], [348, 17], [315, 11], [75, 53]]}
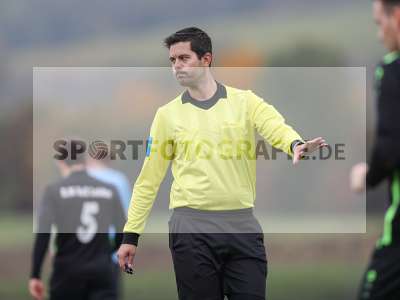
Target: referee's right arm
{"points": [[146, 186]]}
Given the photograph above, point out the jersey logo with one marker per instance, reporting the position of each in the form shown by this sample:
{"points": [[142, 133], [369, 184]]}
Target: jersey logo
{"points": [[84, 191], [149, 142]]}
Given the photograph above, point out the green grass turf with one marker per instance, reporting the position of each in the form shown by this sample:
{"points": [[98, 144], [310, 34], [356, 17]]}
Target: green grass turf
{"points": [[320, 278], [328, 281], [15, 230], [312, 282]]}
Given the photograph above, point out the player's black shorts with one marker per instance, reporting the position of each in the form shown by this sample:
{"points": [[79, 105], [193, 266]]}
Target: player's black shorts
{"points": [[211, 265], [117, 280], [92, 283], [382, 278]]}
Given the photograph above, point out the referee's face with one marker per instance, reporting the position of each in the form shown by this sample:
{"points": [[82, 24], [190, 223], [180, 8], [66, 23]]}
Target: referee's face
{"points": [[186, 66], [388, 22]]}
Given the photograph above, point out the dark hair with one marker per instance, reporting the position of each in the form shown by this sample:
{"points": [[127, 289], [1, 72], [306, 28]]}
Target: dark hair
{"points": [[200, 42], [79, 158], [390, 4]]}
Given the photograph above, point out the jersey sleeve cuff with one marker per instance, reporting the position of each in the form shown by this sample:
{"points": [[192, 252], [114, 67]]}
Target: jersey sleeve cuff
{"points": [[130, 238], [35, 275]]}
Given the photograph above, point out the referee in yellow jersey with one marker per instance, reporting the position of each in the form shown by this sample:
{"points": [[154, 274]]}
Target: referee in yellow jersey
{"points": [[208, 133]]}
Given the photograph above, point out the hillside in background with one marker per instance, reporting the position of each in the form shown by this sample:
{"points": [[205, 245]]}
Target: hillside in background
{"points": [[24, 23], [123, 33], [278, 33]]}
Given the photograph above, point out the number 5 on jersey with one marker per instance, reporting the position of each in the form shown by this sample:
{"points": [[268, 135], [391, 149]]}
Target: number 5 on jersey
{"points": [[88, 229]]}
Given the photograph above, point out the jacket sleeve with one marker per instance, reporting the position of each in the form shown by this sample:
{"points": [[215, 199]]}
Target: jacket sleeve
{"points": [[385, 156], [39, 252], [158, 156], [45, 220], [270, 124]]}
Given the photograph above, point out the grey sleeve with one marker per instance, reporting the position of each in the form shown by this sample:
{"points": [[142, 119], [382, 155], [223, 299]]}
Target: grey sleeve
{"points": [[46, 212]]}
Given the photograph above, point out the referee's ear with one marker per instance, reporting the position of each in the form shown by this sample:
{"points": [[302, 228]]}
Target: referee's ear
{"points": [[207, 59]]}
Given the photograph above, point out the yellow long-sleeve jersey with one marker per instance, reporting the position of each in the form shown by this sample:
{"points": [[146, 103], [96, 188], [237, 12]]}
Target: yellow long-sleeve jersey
{"points": [[212, 150]]}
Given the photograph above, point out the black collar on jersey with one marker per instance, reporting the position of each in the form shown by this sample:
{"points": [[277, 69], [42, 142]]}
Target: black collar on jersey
{"points": [[205, 104]]}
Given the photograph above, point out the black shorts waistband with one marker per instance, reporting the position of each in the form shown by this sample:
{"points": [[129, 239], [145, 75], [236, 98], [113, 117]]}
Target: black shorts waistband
{"points": [[184, 210]]}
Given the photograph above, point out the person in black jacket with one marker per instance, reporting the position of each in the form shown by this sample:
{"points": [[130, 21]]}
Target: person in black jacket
{"points": [[382, 278], [82, 209]]}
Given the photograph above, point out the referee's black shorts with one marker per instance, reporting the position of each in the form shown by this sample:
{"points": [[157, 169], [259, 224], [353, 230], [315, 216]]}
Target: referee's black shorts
{"points": [[382, 278], [209, 265]]}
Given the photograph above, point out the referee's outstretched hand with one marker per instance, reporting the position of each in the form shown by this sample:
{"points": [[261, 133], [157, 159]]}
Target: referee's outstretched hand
{"points": [[305, 149], [126, 253]]}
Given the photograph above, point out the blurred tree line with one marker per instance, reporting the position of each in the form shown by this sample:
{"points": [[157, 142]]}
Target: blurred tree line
{"points": [[16, 158], [16, 126]]}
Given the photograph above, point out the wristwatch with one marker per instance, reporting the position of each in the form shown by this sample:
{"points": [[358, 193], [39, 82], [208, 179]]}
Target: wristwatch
{"points": [[296, 143]]}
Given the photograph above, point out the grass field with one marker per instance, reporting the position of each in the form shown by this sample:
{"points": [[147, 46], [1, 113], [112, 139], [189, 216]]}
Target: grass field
{"points": [[309, 267], [319, 281]]}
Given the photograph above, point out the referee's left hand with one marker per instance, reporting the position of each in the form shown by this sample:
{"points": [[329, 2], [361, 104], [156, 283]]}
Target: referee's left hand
{"points": [[305, 149]]}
